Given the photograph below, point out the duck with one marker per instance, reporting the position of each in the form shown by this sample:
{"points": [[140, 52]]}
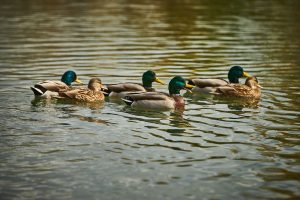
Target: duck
{"points": [[90, 94], [210, 85], [251, 89], [160, 100], [50, 88], [120, 90]]}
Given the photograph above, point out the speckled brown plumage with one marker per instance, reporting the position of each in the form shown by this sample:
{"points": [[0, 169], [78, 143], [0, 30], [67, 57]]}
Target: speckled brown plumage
{"points": [[90, 94], [251, 89]]}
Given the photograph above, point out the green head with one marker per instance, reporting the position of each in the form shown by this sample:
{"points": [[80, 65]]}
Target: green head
{"points": [[235, 73], [178, 83], [149, 77], [70, 76]]}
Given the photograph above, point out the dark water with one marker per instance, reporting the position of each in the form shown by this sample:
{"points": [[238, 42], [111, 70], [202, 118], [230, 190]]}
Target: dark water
{"points": [[215, 149]]}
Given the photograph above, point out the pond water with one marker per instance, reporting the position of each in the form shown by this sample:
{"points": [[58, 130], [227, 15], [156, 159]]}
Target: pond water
{"points": [[214, 149]]}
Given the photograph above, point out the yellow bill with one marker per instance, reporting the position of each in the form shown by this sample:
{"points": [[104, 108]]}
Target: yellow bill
{"points": [[77, 80], [259, 86], [188, 86], [245, 74], [159, 81]]}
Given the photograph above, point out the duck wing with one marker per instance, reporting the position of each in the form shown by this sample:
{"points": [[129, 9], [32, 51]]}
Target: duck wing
{"points": [[54, 86], [202, 83], [148, 96], [136, 97], [70, 93], [234, 90], [125, 87], [86, 95]]}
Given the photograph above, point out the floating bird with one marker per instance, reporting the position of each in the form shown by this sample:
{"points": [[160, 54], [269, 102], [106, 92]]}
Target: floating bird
{"points": [[210, 85], [48, 89], [160, 100], [251, 89], [90, 94], [121, 89]]}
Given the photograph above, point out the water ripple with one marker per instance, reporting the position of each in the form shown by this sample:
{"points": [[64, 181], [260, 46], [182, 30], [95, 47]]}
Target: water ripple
{"points": [[50, 149]]}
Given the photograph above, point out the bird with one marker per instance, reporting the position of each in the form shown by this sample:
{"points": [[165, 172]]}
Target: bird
{"points": [[160, 100], [90, 94], [210, 85], [119, 90], [50, 88], [251, 89]]}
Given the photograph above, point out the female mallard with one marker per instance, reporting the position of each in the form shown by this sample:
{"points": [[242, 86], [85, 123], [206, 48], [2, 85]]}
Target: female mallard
{"points": [[251, 89], [160, 100], [121, 89], [48, 89], [90, 94], [210, 85]]}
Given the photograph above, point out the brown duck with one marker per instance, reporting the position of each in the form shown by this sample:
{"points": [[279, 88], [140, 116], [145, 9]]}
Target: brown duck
{"points": [[90, 94], [251, 89]]}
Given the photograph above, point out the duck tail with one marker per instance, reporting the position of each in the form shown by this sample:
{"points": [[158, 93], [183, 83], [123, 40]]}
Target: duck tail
{"points": [[37, 91], [128, 100]]}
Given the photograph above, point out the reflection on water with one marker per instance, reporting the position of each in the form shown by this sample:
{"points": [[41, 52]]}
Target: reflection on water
{"points": [[54, 149]]}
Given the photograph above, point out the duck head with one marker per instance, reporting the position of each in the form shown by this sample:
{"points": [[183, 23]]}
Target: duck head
{"points": [[149, 77], [69, 77], [95, 84], [178, 83], [235, 73], [252, 82]]}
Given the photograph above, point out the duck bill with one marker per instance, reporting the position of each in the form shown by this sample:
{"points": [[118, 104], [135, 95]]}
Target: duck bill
{"points": [[78, 81], [245, 74], [259, 86], [159, 81], [104, 90], [103, 87], [188, 87]]}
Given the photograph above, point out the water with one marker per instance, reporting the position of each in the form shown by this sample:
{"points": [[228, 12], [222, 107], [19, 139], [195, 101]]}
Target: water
{"points": [[215, 149]]}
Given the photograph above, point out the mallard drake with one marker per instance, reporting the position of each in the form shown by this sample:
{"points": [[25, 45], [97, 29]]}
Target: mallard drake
{"points": [[90, 94], [251, 89], [160, 100], [49, 88], [121, 89], [210, 85]]}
